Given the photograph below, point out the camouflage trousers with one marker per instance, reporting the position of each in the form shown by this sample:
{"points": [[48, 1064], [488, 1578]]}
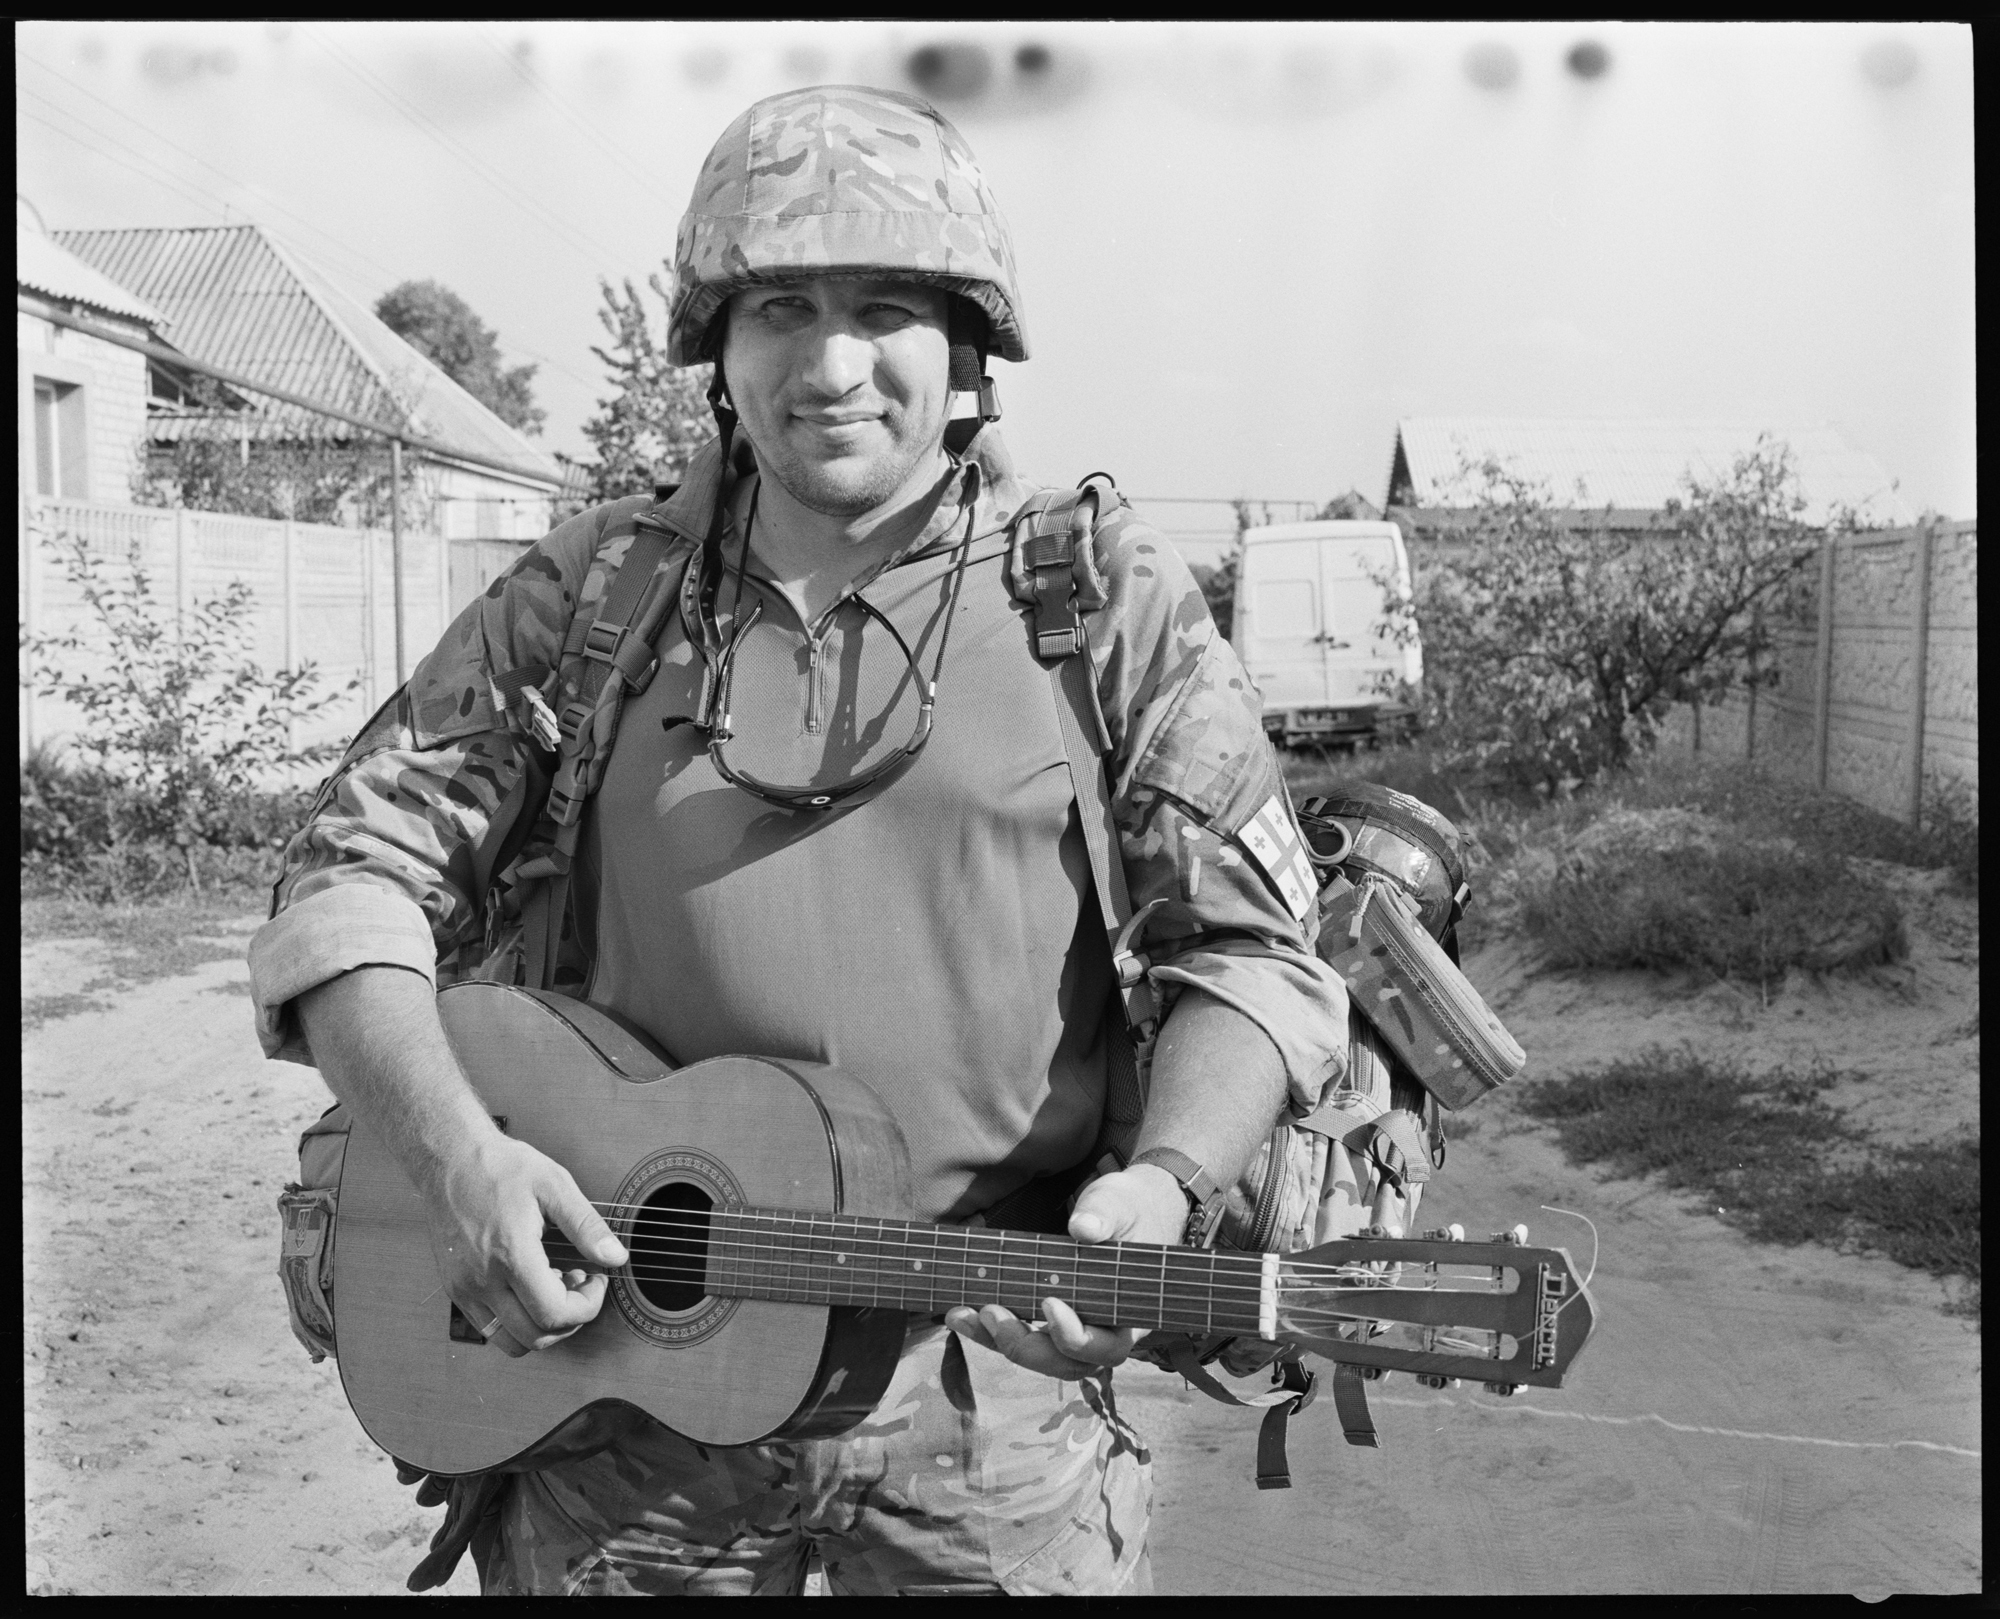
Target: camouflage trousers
{"points": [[1039, 1488]]}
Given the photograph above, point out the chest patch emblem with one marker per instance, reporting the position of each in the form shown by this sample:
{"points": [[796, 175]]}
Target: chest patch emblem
{"points": [[1274, 843]]}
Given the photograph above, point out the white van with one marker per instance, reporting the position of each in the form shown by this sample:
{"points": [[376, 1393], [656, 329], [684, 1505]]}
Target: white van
{"points": [[1309, 626]]}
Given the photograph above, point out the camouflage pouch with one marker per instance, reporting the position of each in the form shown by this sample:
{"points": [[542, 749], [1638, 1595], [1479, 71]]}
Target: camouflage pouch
{"points": [[306, 1210]]}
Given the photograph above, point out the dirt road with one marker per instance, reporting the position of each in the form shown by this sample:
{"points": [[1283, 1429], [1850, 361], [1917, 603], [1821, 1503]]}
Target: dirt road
{"points": [[1746, 1420]]}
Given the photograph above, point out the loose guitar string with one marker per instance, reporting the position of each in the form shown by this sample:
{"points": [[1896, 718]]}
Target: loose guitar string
{"points": [[662, 1219], [1175, 1291], [1234, 1273], [1237, 1277], [668, 1220]]}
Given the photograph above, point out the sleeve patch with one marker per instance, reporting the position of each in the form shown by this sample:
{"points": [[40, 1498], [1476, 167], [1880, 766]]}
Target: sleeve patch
{"points": [[1274, 843]]}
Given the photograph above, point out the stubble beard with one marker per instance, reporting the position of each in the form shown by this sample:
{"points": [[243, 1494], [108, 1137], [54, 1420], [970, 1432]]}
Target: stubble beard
{"points": [[852, 486]]}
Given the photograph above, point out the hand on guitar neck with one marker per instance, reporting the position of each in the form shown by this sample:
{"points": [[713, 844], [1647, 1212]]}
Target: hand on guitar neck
{"points": [[1216, 1125], [381, 1048]]}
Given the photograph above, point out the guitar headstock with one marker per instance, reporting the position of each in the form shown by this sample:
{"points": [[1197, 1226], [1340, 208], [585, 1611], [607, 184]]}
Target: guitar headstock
{"points": [[1496, 1312]]}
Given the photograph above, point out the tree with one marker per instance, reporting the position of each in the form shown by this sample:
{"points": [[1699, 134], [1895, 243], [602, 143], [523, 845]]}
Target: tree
{"points": [[1553, 649], [657, 415], [441, 326]]}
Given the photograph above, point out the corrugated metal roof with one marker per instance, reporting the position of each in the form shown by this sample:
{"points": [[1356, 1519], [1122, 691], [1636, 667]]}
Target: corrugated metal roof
{"points": [[1634, 464], [45, 267], [243, 302]]}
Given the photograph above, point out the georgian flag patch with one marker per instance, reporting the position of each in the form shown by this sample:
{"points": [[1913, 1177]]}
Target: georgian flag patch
{"points": [[1274, 843]]}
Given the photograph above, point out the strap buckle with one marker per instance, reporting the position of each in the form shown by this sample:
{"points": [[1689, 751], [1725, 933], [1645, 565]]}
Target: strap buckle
{"points": [[565, 807], [601, 641]]}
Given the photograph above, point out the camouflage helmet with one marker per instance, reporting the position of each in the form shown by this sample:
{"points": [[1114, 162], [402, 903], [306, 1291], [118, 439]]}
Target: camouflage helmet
{"points": [[841, 180]]}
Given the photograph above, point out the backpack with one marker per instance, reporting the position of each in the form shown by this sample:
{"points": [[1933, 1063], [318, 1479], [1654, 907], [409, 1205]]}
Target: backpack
{"points": [[1357, 1165]]}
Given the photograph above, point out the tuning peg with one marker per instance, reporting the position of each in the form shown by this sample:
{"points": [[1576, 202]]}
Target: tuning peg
{"points": [[1431, 1380], [1448, 1233], [1517, 1235], [1504, 1390], [1374, 1374]]}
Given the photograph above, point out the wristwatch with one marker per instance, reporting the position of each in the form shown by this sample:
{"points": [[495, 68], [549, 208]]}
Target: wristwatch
{"points": [[1204, 1197]]}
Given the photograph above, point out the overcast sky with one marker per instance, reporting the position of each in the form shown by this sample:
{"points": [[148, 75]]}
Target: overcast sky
{"points": [[1247, 250]]}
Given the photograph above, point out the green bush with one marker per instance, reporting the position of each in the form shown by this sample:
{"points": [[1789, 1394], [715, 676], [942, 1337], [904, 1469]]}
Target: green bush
{"points": [[1771, 1157], [182, 734], [1744, 909], [1730, 790], [77, 840]]}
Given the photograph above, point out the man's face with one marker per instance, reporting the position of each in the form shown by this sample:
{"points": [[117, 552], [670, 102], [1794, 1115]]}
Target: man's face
{"points": [[840, 385]]}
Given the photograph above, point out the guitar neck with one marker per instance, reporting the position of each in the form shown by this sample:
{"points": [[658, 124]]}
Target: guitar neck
{"points": [[925, 1269]]}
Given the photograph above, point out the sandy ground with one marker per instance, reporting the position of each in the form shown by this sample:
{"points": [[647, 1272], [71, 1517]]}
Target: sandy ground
{"points": [[1746, 1419]]}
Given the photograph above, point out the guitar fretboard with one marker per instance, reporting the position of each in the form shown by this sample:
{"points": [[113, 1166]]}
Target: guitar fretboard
{"points": [[925, 1269]]}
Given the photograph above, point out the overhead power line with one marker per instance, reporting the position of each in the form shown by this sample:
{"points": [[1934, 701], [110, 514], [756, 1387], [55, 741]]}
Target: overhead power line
{"points": [[205, 200], [583, 126], [565, 232], [179, 184]]}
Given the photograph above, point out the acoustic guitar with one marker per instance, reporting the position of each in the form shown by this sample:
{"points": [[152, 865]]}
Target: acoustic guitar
{"points": [[773, 1271]]}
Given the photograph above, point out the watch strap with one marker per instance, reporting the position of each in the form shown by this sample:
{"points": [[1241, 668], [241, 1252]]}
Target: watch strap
{"points": [[1204, 1197]]}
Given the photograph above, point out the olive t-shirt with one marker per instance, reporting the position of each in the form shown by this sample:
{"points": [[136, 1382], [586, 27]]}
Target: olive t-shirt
{"points": [[930, 937]]}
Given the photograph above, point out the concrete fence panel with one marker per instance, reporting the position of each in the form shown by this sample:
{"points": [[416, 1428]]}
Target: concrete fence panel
{"points": [[1895, 647], [320, 594]]}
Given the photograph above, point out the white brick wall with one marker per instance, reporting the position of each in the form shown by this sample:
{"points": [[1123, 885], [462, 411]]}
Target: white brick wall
{"points": [[115, 388]]}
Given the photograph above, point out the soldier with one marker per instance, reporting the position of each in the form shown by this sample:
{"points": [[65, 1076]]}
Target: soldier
{"points": [[845, 265]]}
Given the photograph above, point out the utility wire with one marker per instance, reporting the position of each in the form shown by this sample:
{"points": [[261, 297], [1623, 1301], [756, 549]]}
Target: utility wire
{"points": [[353, 257], [583, 126], [564, 232], [206, 199]]}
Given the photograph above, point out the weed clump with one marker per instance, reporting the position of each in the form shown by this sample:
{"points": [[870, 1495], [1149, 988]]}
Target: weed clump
{"points": [[1745, 909], [1772, 1157]]}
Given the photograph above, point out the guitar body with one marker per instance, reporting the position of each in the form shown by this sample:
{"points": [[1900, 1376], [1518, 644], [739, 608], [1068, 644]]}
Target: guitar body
{"points": [[775, 1268], [734, 1132]]}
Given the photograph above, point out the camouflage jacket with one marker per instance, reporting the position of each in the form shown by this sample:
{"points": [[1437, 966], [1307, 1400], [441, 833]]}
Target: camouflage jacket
{"points": [[397, 859]]}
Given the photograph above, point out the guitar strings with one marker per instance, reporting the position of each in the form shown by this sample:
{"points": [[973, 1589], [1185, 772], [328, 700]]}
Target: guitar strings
{"points": [[1099, 1270], [660, 1218], [1091, 1277], [892, 1235]]}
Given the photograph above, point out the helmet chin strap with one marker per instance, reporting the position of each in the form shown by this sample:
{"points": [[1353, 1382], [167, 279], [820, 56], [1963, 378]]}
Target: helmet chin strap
{"points": [[965, 331]]}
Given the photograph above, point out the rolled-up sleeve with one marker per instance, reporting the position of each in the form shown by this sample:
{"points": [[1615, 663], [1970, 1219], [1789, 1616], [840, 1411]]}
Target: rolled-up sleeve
{"points": [[325, 934], [1205, 824]]}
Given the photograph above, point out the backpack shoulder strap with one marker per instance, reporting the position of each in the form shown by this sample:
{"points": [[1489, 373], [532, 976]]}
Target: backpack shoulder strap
{"points": [[1055, 572], [616, 646]]}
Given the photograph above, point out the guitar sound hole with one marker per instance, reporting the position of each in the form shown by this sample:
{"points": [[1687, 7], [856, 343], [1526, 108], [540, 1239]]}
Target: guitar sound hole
{"points": [[669, 1246]]}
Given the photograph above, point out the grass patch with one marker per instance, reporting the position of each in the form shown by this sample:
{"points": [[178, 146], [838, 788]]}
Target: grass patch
{"points": [[1772, 1157], [140, 870], [39, 1009], [1747, 910], [161, 939], [1822, 823]]}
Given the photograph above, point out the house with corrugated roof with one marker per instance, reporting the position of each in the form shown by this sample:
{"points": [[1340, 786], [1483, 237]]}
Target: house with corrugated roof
{"points": [[1619, 474], [80, 403], [243, 302]]}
